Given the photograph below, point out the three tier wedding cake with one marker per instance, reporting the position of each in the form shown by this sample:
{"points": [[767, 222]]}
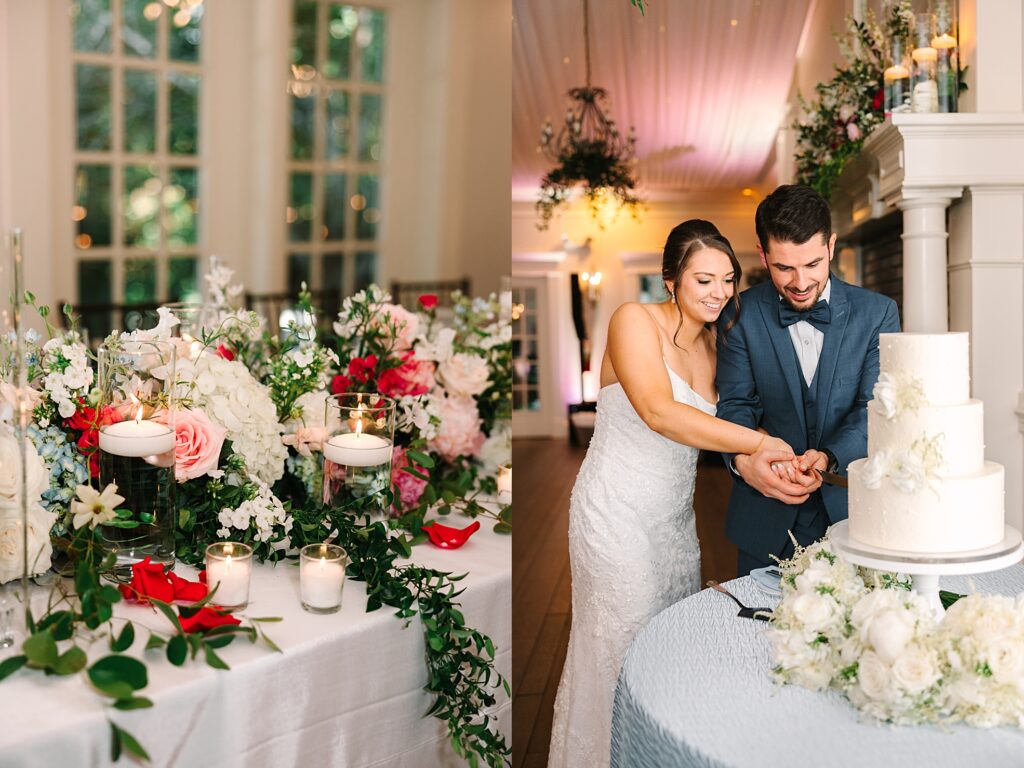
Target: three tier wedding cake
{"points": [[925, 485]]}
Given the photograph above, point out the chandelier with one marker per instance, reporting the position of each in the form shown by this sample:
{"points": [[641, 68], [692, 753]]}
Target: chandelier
{"points": [[589, 150]]}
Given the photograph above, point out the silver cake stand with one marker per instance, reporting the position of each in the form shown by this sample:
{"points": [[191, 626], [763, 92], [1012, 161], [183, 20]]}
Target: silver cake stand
{"points": [[924, 568]]}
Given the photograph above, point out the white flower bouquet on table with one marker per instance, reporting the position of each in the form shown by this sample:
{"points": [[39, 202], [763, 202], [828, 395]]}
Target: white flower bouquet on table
{"points": [[867, 635]]}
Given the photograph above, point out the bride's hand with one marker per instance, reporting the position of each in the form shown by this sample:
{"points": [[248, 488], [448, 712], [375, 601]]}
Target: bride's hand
{"points": [[776, 444]]}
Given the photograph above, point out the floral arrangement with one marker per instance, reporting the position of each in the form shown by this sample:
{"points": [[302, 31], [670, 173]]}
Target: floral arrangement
{"points": [[847, 108], [867, 635], [249, 429]]}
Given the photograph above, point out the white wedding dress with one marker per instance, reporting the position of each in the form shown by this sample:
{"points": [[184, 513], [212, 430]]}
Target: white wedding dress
{"points": [[633, 550]]}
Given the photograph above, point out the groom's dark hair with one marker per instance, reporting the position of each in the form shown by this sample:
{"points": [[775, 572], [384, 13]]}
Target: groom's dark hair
{"points": [[793, 213]]}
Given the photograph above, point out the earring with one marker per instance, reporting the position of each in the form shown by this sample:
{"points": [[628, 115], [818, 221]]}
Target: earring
{"points": [[671, 295]]}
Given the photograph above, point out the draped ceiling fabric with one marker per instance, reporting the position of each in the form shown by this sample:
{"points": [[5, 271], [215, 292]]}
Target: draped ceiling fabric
{"points": [[706, 96]]}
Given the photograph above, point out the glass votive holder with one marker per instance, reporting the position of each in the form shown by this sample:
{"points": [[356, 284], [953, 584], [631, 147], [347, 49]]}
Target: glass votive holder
{"points": [[321, 577], [229, 570], [505, 481]]}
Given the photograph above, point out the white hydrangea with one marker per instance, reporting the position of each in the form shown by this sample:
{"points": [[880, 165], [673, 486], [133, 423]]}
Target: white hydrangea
{"points": [[233, 399], [497, 449], [264, 513]]}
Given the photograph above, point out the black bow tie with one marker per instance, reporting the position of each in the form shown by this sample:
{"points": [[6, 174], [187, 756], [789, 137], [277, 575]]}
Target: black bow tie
{"points": [[819, 315]]}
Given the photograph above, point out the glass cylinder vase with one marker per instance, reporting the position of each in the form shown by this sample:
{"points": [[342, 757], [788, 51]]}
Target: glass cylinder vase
{"points": [[897, 79], [357, 455], [947, 69], [136, 447], [924, 87]]}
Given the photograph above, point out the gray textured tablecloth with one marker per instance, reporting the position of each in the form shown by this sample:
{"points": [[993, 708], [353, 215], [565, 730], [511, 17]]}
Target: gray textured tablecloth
{"points": [[695, 690]]}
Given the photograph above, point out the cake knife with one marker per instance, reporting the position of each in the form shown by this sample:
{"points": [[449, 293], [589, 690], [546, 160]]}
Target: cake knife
{"points": [[832, 479]]}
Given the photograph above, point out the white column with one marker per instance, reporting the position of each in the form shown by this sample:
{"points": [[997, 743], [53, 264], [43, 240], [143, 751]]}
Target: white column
{"points": [[925, 293]]}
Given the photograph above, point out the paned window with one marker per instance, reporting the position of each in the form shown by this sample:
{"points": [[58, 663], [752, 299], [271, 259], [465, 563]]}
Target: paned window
{"points": [[336, 106], [137, 79], [525, 350]]}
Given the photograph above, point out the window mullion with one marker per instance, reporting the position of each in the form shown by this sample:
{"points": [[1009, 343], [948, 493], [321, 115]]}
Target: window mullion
{"points": [[162, 159], [116, 158]]}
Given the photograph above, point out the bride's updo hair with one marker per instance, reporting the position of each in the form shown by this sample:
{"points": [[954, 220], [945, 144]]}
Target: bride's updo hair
{"points": [[683, 242]]}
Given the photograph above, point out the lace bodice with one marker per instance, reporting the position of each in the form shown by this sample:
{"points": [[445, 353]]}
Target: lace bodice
{"points": [[633, 550]]}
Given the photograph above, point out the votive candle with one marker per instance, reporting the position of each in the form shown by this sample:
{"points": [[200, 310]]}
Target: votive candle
{"points": [[229, 569], [321, 577]]}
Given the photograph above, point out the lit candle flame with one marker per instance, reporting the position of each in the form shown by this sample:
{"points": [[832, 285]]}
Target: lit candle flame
{"points": [[359, 427]]}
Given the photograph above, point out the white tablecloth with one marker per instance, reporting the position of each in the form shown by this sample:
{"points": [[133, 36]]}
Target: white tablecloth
{"points": [[695, 691], [347, 691]]}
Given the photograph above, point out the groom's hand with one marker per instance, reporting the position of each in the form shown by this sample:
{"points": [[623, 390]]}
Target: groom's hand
{"points": [[756, 470], [809, 466]]}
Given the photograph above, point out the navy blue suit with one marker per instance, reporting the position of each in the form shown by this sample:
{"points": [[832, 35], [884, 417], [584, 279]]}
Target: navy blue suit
{"points": [[760, 385]]}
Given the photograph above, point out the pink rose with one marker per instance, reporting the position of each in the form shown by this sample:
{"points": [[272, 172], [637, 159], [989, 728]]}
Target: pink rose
{"points": [[465, 374], [412, 377], [853, 131], [198, 442], [410, 487], [406, 323], [305, 440], [459, 433]]}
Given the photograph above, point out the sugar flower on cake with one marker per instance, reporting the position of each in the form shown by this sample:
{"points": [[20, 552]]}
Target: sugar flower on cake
{"points": [[909, 469], [896, 393]]}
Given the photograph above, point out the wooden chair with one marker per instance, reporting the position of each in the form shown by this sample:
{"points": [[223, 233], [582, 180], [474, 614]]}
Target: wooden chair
{"points": [[98, 320], [271, 305], [408, 293]]}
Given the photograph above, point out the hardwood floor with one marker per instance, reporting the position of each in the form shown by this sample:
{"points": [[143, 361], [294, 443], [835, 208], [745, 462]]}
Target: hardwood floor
{"points": [[541, 607]]}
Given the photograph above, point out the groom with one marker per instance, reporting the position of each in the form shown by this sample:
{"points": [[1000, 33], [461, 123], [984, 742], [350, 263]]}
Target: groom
{"points": [[799, 363]]}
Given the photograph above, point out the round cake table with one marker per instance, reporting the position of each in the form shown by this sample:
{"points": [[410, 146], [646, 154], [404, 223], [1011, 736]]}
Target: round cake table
{"points": [[695, 690]]}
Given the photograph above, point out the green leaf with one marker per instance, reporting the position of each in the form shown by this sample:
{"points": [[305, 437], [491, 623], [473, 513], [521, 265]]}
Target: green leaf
{"points": [[502, 528], [489, 645], [71, 661], [130, 744], [41, 650], [123, 641], [155, 641], [415, 473], [424, 460], [167, 611], [213, 659], [115, 743], [118, 676], [267, 618], [61, 622], [135, 702], [436, 642], [10, 666], [177, 650]]}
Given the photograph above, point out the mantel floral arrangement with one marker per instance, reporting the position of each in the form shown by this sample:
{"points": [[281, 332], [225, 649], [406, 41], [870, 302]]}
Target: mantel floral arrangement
{"points": [[845, 110], [866, 635], [249, 435]]}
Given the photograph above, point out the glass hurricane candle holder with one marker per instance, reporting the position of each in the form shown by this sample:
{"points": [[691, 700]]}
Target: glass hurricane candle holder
{"points": [[193, 318], [135, 416], [229, 569], [357, 456], [947, 69], [321, 577], [897, 79], [925, 90]]}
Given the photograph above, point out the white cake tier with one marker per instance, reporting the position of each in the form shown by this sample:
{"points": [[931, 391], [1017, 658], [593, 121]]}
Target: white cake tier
{"points": [[962, 428], [951, 514], [938, 360]]}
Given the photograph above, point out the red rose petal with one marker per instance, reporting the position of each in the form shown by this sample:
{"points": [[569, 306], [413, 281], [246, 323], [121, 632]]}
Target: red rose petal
{"points": [[206, 618], [184, 589], [446, 537]]}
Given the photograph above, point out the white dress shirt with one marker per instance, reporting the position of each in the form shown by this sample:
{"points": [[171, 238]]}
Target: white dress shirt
{"points": [[808, 340]]}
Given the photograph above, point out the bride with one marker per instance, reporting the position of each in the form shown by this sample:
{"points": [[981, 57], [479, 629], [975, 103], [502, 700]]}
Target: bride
{"points": [[632, 541]]}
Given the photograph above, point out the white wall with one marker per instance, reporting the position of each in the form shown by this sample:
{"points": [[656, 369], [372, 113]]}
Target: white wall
{"points": [[446, 154]]}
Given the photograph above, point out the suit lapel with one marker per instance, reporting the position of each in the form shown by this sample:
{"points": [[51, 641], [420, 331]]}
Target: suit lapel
{"points": [[824, 376], [783, 345]]}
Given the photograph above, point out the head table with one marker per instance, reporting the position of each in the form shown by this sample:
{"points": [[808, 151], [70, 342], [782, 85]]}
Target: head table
{"points": [[346, 691], [695, 690]]}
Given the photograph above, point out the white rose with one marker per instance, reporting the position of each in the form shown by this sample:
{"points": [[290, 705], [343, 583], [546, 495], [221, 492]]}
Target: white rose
{"points": [[889, 632], [1005, 658], [815, 612], [10, 474], [907, 472], [497, 449], [875, 469], [871, 604], [915, 670], [39, 550], [873, 676], [464, 374]]}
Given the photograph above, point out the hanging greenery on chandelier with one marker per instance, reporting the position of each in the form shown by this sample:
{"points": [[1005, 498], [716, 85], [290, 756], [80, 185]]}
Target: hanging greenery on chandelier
{"points": [[588, 151]]}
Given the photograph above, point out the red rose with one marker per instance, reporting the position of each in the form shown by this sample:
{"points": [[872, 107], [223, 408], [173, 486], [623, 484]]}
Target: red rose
{"points": [[412, 377], [876, 103], [192, 591], [341, 384], [148, 580], [86, 421], [226, 353], [206, 618], [428, 301], [362, 368]]}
